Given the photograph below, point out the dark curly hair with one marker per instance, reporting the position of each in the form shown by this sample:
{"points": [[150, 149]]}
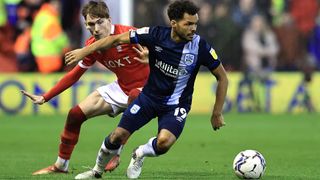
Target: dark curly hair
{"points": [[177, 9]]}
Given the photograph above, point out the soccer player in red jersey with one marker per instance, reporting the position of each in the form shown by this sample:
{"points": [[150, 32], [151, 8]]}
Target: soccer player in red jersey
{"points": [[126, 61]]}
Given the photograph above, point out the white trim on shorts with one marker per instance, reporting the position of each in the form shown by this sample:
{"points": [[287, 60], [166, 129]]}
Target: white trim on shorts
{"points": [[113, 94]]}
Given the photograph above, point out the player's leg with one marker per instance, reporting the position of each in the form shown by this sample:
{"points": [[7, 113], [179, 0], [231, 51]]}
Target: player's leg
{"points": [[115, 161], [170, 127], [137, 115], [154, 147], [109, 148], [93, 105], [113, 94]]}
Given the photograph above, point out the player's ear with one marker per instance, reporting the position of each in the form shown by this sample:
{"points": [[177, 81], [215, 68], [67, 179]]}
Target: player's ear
{"points": [[173, 23], [86, 24]]}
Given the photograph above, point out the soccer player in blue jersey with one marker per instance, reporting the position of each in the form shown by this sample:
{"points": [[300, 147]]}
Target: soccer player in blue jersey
{"points": [[175, 55]]}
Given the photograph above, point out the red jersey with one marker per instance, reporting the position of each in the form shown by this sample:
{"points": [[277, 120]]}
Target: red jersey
{"points": [[131, 73]]}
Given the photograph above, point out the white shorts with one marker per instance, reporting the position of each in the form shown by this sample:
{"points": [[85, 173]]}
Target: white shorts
{"points": [[113, 94]]}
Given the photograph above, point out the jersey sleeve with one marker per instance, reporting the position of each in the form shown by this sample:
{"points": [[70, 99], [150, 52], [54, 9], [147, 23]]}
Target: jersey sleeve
{"points": [[87, 62], [208, 56], [143, 36], [68, 80]]}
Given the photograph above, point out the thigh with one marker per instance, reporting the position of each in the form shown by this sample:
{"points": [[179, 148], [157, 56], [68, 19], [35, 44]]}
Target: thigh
{"points": [[139, 113], [95, 105], [173, 120], [114, 96]]}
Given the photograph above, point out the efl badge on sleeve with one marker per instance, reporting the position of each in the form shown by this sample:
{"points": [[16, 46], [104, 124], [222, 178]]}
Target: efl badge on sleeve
{"points": [[213, 54], [144, 30]]}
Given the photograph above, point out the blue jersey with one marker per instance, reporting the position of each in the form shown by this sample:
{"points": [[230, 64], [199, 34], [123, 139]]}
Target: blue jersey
{"points": [[173, 66]]}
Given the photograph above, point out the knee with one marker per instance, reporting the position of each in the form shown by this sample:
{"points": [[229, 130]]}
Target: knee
{"points": [[163, 145], [76, 116], [119, 136]]}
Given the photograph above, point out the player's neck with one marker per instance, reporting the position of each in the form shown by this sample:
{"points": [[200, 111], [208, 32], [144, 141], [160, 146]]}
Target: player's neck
{"points": [[176, 38]]}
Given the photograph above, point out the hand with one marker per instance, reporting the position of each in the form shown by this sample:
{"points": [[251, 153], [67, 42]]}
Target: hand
{"points": [[35, 99], [143, 54], [217, 121], [74, 56]]}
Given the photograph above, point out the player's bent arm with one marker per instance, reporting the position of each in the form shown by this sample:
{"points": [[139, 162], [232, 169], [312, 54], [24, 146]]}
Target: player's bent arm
{"points": [[222, 88], [102, 44], [217, 120]]}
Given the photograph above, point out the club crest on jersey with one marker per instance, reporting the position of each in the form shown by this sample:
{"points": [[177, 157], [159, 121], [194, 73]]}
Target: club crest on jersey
{"points": [[188, 59], [134, 109]]}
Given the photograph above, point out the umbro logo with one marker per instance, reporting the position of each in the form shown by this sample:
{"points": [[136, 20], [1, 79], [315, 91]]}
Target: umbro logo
{"points": [[158, 48], [119, 48]]}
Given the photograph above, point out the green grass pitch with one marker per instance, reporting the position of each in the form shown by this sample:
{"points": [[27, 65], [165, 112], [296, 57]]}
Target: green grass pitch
{"points": [[289, 143]]}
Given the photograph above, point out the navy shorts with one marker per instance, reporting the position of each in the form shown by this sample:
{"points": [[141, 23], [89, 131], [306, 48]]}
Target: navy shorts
{"points": [[144, 109]]}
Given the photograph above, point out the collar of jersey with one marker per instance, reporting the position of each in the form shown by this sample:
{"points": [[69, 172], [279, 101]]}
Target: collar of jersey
{"points": [[112, 29]]}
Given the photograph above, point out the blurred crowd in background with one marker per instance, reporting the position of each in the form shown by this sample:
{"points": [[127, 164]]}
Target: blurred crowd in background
{"points": [[253, 36], [35, 34]]}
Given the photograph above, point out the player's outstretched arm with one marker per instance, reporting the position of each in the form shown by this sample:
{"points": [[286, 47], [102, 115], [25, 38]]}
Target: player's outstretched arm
{"points": [[35, 98], [64, 83], [217, 119], [102, 44]]}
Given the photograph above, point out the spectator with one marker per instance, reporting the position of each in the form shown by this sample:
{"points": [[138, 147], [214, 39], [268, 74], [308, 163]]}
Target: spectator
{"points": [[265, 8], [260, 47], [11, 7], [150, 12], [70, 21], [25, 59], [142, 12], [206, 15], [278, 8], [291, 50], [26, 12], [304, 14], [3, 14], [7, 57], [226, 36], [48, 41], [314, 43], [243, 13], [260, 52]]}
